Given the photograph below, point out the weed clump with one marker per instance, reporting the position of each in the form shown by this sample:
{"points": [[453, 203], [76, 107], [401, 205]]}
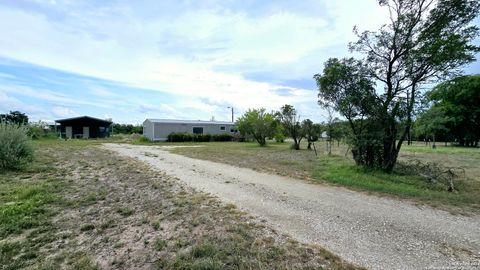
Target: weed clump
{"points": [[15, 147]]}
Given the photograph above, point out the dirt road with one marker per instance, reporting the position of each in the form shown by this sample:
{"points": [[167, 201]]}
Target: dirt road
{"points": [[379, 233]]}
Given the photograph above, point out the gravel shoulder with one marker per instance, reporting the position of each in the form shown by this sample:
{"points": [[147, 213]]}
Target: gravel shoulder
{"points": [[376, 232]]}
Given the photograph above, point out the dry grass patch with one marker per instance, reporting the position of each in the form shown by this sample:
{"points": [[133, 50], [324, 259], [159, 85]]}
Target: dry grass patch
{"points": [[116, 213], [339, 169]]}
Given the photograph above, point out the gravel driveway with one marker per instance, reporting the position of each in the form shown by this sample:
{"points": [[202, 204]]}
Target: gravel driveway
{"points": [[375, 232]]}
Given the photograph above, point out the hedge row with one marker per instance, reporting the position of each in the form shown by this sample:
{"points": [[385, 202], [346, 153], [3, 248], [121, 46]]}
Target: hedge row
{"points": [[190, 137]]}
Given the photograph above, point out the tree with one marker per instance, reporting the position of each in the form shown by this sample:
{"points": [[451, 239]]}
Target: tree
{"points": [[279, 134], [127, 129], [329, 129], [458, 100], [431, 123], [312, 132], [338, 130], [345, 87], [14, 117], [291, 122], [257, 124], [425, 41]]}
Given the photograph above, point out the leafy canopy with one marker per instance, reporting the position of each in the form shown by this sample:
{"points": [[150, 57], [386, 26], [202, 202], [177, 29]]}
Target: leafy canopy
{"points": [[458, 100], [14, 117], [424, 42], [258, 124], [291, 122]]}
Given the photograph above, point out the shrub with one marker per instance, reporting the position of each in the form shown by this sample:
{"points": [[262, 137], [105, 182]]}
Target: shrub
{"points": [[201, 137], [140, 138], [222, 137], [189, 137], [15, 146], [179, 137], [40, 130]]}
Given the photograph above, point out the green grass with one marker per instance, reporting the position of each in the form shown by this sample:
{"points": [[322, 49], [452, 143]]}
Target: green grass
{"points": [[125, 211], [29, 200], [440, 149], [340, 170], [26, 197]]}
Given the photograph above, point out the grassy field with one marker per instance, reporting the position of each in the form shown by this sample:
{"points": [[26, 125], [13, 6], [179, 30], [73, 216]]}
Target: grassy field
{"points": [[79, 206], [339, 169]]}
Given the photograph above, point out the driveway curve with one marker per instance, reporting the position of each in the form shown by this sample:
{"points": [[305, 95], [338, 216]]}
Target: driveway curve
{"points": [[375, 232]]}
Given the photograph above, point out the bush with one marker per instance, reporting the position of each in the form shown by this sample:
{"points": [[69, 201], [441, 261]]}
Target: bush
{"points": [[140, 138], [201, 137], [179, 137], [222, 137], [15, 146], [40, 130], [189, 137]]}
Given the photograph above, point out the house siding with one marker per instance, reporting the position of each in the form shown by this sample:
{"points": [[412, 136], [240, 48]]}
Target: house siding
{"points": [[161, 130], [148, 129]]}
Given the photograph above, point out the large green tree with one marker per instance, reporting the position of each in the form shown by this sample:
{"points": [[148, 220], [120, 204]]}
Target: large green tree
{"points": [[432, 123], [311, 132], [291, 122], [458, 100], [258, 124], [425, 41], [14, 117], [345, 87]]}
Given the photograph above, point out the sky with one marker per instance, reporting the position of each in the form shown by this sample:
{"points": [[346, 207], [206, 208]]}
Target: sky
{"points": [[132, 60]]}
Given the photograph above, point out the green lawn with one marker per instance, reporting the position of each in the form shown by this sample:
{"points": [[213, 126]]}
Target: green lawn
{"points": [[339, 169]]}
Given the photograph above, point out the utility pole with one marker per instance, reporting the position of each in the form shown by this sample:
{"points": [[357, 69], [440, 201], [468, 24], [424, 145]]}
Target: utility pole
{"points": [[232, 112]]}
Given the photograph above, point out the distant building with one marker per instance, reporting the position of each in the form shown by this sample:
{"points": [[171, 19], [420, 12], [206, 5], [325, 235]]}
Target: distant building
{"points": [[158, 129], [84, 127]]}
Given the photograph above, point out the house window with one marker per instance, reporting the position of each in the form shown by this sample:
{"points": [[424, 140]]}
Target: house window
{"points": [[197, 130], [222, 128], [233, 130]]}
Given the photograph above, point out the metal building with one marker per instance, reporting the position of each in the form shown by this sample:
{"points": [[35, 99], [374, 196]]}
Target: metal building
{"points": [[84, 127], [158, 129]]}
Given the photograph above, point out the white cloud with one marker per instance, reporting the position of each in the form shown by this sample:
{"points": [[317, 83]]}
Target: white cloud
{"points": [[9, 103], [199, 55], [60, 111], [101, 91]]}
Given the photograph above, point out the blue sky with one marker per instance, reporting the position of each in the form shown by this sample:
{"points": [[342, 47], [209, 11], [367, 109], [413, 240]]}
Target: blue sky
{"points": [[131, 60]]}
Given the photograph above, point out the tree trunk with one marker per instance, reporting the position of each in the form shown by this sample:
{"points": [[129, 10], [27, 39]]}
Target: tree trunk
{"points": [[296, 144]]}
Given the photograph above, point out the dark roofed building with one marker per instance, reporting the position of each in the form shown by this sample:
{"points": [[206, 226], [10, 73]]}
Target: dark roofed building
{"points": [[84, 127]]}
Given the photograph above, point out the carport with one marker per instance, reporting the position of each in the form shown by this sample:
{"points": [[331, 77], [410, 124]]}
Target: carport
{"points": [[84, 127]]}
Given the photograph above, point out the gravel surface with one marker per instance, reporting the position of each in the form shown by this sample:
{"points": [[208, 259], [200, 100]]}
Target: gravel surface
{"points": [[375, 232]]}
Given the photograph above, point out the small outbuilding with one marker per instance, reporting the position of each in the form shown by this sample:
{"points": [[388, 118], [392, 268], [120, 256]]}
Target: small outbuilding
{"points": [[158, 129], [84, 127]]}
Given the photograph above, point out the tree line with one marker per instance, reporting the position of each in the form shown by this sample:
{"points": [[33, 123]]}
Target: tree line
{"points": [[259, 125]]}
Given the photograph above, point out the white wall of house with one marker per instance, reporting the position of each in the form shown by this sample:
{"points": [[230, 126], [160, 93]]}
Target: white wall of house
{"points": [[148, 129], [156, 130]]}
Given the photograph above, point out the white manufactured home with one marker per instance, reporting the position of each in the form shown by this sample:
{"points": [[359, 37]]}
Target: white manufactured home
{"points": [[158, 129]]}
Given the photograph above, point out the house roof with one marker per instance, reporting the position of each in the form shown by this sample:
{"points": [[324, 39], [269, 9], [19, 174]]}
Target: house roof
{"points": [[200, 122], [83, 118]]}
